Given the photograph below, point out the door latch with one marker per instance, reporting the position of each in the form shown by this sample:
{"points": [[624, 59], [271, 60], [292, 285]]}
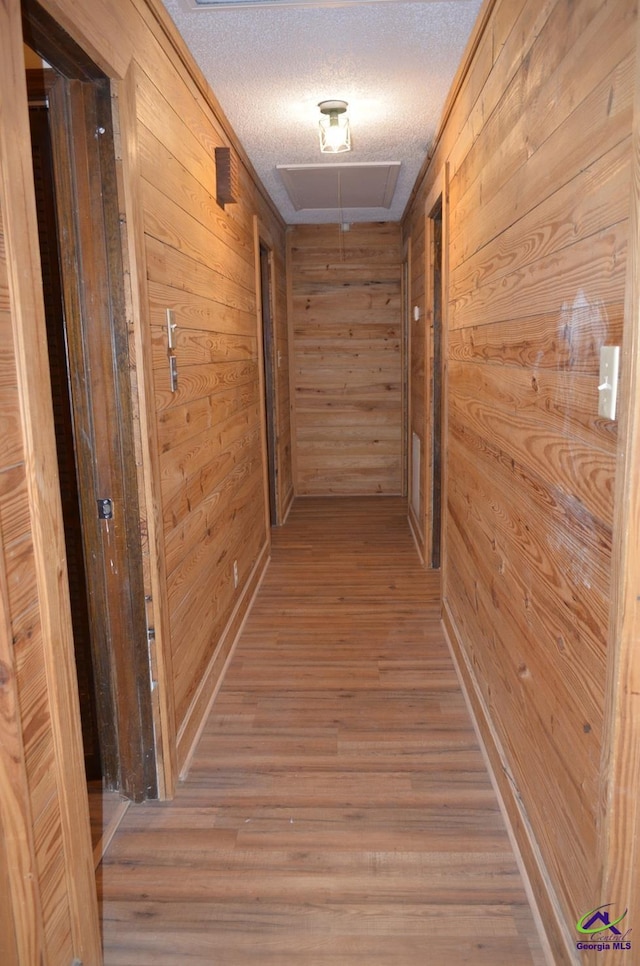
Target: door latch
{"points": [[105, 509]]}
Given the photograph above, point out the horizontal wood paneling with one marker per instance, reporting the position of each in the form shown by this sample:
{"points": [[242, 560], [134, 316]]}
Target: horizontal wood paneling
{"points": [[200, 261], [200, 449], [538, 147], [346, 324]]}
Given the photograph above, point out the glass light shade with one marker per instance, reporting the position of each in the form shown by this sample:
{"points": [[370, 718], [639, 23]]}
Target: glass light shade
{"points": [[335, 136]]}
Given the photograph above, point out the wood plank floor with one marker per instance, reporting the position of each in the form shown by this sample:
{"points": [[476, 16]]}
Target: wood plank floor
{"points": [[338, 811]]}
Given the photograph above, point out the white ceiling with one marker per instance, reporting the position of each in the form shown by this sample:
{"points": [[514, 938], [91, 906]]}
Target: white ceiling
{"points": [[270, 64]]}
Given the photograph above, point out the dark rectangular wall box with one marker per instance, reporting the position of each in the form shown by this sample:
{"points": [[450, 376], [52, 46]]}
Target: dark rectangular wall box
{"points": [[227, 181]]}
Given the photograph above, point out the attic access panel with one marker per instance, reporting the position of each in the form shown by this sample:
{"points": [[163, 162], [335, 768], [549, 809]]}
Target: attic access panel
{"points": [[314, 186]]}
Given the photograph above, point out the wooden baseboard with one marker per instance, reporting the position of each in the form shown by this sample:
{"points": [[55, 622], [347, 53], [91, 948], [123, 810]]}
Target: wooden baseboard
{"points": [[198, 712], [558, 945], [288, 504], [415, 533]]}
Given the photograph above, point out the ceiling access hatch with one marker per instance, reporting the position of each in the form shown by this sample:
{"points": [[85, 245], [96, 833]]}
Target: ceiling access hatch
{"points": [[314, 186]]}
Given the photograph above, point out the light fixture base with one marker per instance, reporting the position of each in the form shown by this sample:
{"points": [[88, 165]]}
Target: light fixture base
{"points": [[336, 107]]}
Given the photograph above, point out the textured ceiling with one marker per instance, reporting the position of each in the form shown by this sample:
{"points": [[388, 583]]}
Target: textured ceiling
{"points": [[270, 65]]}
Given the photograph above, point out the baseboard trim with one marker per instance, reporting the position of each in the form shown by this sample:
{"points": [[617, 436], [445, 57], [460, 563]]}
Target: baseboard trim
{"points": [[196, 717], [558, 946], [415, 533], [288, 505]]}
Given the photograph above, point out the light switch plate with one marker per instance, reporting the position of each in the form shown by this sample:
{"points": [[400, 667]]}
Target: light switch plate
{"points": [[608, 387], [173, 373], [171, 329]]}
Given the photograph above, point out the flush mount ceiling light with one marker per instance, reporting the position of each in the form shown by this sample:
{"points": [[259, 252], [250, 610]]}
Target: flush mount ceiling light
{"points": [[335, 136]]}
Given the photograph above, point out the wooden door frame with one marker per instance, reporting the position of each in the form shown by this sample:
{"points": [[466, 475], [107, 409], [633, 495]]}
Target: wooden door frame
{"points": [[268, 349], [92, 270], [436, 315], [438, 196], [269, 398], [405, 289]]}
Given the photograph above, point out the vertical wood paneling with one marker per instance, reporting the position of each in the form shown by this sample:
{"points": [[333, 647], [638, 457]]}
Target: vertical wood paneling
{"points": [[347, 332], [21, 935], [538, 143]]}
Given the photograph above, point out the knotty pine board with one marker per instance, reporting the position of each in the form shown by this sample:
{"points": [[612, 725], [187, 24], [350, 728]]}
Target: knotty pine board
{"points": [[346, 358], [201, 265], [589, 203], [600, 122], [538, 148]]}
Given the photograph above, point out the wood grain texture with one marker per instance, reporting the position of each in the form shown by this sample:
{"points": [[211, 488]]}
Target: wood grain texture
{"points": [[146, 434], [337, 809], [347, 381], [184, 253], [60, 912], [538, 145], [200, 264], [619, 815]]}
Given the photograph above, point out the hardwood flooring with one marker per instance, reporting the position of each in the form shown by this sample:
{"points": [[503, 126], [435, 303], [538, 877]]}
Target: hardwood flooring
{"points": [[338, 811]]}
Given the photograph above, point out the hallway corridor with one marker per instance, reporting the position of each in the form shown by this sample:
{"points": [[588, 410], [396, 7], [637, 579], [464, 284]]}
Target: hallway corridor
{"points": [[338, 811]]}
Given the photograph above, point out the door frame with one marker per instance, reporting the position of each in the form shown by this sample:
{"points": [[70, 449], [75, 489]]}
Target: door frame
{"points": [[267, 352], [97, 335], [436, 381], [268, 348], [435, 423]]}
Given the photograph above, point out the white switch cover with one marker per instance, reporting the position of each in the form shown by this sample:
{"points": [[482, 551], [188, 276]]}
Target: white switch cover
{"points": [[608, 388]]}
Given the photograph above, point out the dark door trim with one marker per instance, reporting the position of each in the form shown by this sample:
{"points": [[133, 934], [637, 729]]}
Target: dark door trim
{"points": [[435, 217], [269, 379]]}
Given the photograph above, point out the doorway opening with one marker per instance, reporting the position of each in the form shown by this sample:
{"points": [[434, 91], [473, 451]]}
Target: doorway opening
{"points": [[38, 82], [435, 218], [266, 302], [81, 248]]}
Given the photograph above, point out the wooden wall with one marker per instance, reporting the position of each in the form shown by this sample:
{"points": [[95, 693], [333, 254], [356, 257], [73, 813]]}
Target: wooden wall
{"points": [[537, 143], [46, 865], [200, 450], [347, 354], [201, 263]]}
